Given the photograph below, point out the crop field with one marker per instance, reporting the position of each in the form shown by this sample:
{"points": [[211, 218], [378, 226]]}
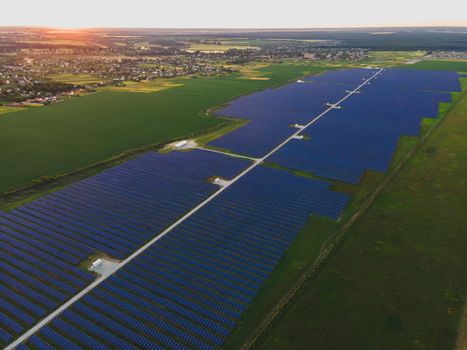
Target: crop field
{"points": [[225, 44], [459, 66], [76, 79], [220, 48], [251, 71], [62, 137], [144, 86], [391, 58]]}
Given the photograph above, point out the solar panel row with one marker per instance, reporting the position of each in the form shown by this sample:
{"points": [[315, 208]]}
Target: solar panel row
{"points": [[273, 111], [189, 289], [350, 78], [115, 212], [363, 135]]}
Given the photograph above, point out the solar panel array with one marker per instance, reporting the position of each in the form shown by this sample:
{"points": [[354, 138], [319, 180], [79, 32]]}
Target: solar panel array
{"points": [[419, 80], [37, 273], [119, 209], [189, 289], [350, 78], [114, 212], [273, 111], [364, 133]]}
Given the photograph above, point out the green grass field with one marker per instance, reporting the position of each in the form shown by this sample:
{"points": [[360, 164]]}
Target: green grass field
{"points": [[398, 279], [459, 66], [76, 133]]}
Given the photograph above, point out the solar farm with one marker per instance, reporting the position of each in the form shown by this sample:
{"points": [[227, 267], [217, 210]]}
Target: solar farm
{"points": [[190, 255]]}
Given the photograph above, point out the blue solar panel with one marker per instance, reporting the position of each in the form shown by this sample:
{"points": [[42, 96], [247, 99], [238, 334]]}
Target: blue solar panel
{"points": [[95, 330], [115, 212], [121, 208], [189, 289], [38, 343], [20, 301], [422, 80], [363, 135], [57, 339], [351, 78], [9, 324], [15, 311], [78, 336], [272, 112]]}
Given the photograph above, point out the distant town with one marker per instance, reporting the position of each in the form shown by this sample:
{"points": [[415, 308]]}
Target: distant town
{"points": [[33, 63], [39, 67]]}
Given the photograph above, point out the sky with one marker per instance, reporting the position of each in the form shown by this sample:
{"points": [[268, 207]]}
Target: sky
{"points": [[233, 13]]}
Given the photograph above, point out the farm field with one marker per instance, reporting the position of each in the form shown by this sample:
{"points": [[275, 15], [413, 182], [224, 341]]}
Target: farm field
{"points": [[220, 48], [459, 66], [144, 86], [225, 44], [391, 58], [79, 132], [76, 79], [407, 250]]}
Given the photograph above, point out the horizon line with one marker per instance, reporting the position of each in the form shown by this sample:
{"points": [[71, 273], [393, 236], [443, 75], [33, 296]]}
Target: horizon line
{"points": [[243, 28]]}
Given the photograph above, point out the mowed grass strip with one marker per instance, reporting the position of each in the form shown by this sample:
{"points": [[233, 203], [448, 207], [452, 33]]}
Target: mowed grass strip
{"points": [[398, 280], [76, 133]]}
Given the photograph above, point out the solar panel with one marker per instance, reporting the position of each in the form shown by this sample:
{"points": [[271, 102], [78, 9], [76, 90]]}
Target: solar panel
{"points": [[189, 289], [115, 212], [363, 135]]}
